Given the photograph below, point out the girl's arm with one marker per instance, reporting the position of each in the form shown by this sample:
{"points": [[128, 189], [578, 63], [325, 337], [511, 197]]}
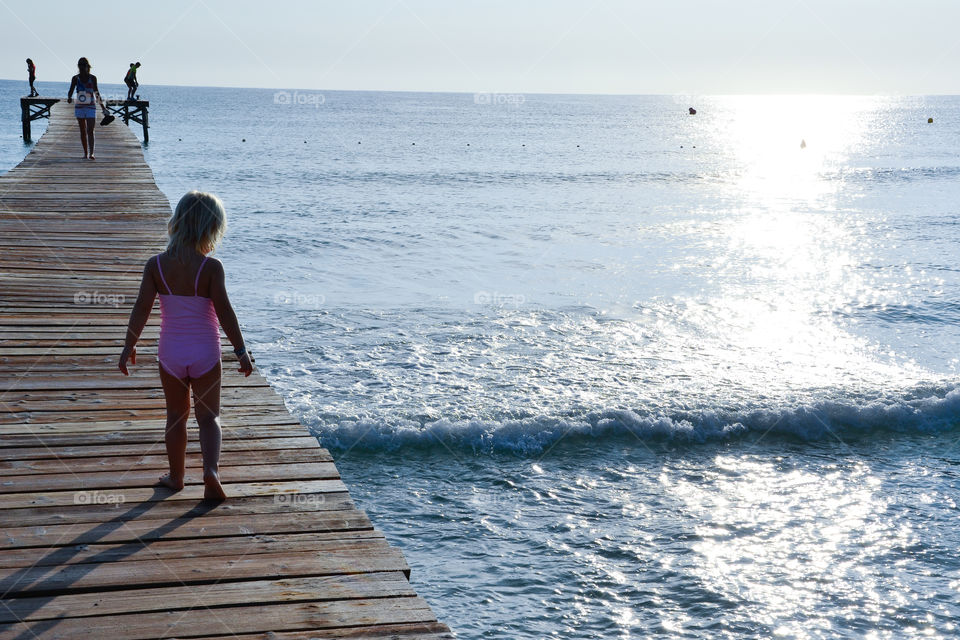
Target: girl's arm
{"points": [[138, 318], [73, 86], [226, 315]]}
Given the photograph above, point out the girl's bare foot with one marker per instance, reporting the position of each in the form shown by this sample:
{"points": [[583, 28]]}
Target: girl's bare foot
{"points": [[212, 489], [91, 157], [169, 482]]}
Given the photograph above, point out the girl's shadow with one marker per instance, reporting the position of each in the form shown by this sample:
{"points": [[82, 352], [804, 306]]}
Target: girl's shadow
{"points": [[45, 577]]}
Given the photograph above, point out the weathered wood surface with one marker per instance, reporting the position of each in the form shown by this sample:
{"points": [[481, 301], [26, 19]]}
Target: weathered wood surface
{"points": [[89, 546]]}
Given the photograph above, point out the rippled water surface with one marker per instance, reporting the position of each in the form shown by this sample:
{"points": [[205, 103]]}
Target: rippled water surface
{"points": [[602, 368]]}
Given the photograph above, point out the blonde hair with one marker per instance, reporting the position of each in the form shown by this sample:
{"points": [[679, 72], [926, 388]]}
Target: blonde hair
{"points": [[197, 224]]}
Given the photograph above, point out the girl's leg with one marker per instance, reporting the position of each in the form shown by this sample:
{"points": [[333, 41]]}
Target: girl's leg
{"points": [[206, 407], [91, 125], [177, 394], [83, 135]]}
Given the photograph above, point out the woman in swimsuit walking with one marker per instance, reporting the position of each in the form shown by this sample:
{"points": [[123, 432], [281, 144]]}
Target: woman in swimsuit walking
{"points": [[193, 306], [88, 95]]}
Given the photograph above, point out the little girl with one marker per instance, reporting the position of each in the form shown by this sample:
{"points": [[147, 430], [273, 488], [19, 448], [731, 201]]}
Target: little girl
{"points": [[193, 298]]}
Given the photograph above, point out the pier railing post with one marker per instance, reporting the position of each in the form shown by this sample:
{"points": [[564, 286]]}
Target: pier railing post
{"points": [[135, 110], [25, 119]]}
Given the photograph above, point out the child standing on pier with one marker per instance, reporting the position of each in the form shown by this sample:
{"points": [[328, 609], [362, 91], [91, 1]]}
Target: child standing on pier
{"points": [[193, 300]]}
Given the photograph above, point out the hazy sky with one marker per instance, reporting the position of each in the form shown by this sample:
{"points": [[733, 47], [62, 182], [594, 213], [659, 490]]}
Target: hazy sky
{"points": [[582, 46]]}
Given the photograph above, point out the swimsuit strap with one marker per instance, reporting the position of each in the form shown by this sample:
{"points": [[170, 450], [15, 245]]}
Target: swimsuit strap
{"points": [[161, 275], [197, 281]]}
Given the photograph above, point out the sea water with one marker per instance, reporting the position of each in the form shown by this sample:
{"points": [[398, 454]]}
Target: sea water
{"points": [[602, 368]]}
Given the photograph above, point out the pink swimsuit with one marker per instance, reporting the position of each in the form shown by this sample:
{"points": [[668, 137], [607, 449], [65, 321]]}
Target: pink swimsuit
{"points": [[189, 332]]}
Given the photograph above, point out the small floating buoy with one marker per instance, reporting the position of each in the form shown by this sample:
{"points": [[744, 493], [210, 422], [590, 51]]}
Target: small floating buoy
{"points": [[468, 144], [694, 146], [413, 144], [358, 142], [929, 120], [243, 140], [523, 145], [681, 146], [578, 146], [179, 139], [693, 111], [304, 142]]}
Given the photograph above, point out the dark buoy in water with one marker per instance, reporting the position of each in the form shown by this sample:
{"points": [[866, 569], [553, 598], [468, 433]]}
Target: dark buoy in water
{"points": [[692, 111], [243, 140], [803, 144], [929, 120]]}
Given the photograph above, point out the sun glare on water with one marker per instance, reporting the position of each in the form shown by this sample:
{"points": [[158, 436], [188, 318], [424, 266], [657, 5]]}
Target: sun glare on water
{"points": [[781, 145], [789, 246]]}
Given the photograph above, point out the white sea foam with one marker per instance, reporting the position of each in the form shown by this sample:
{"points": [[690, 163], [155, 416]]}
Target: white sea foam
{"points": [[921, 410]]}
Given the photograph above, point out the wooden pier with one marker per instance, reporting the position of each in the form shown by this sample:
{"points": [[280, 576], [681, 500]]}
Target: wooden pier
{"points": [[90, 547], [39, 107]]}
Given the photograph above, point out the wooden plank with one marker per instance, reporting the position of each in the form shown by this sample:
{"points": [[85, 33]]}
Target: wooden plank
{"points": [[165, 549], [103, 433], [53, 450], [156, 460], [42, 580], [91, 511], [230, 621], [193, 491], [194, 523], [310, 588], [419, 631], [109, 480]]}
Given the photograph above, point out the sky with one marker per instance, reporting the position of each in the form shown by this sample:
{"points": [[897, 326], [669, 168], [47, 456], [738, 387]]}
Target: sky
{"points": [[901, 47]]}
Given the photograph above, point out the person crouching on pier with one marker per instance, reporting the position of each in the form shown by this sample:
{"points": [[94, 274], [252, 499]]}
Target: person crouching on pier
{"points": [[131, 80], [88, 95], [193, 306]]}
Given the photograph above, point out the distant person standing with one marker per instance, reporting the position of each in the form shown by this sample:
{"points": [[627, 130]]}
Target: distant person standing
{"points": [[32, 75], [88, 95], [131, 80]]}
